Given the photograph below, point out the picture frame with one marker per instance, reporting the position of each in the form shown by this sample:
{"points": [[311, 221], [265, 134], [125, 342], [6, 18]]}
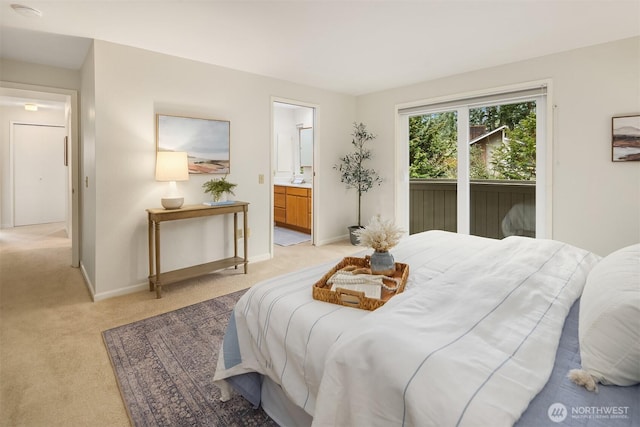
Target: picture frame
{"points": [[206, 141], [625, 138]]}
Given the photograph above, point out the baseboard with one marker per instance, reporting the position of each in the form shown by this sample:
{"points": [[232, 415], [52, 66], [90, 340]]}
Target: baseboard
{"points": [[333, 240], [113, 293], [144, 286], [121, 291], [87, 282]]}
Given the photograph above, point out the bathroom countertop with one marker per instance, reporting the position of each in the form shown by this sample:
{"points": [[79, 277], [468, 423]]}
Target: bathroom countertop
{"points": [[289, 184]]}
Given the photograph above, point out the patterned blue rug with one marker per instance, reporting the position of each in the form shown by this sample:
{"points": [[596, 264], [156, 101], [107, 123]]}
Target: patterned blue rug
{"points": [[165, 364], [285, 237]]}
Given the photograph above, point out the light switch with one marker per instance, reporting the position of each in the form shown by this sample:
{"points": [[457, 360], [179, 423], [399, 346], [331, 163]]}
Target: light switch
{"points": [[260, 179]]}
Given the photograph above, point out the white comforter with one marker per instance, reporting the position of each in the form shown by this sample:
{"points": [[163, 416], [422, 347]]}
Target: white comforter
{"points": [[470, 342]]}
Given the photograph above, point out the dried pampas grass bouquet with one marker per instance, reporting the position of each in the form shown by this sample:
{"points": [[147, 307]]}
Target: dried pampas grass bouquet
{"points": [[380, 235]]}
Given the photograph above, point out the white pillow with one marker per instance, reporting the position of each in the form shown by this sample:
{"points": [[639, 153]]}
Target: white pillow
{"points": [[609, 322]]}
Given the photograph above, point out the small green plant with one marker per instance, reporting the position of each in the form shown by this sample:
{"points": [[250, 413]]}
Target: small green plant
{"points": [[217, 187]]}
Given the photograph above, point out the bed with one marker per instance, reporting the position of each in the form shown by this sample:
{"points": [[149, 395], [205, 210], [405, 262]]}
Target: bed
{"points": [[484, 334]]}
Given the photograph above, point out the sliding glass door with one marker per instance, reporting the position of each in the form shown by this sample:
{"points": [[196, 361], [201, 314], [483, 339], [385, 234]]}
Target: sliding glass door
{"points": [[475, 165]]}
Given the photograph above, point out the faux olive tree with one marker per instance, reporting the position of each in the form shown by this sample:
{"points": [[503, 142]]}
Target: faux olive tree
{"points": [[353, 171]]}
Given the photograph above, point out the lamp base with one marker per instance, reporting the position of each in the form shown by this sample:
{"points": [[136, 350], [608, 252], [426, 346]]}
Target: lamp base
{"points": [[172, 202]]}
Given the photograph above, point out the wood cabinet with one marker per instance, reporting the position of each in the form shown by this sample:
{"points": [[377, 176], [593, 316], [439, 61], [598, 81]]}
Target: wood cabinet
{"points": [[279, 204], [292, 207], [298, 207]]}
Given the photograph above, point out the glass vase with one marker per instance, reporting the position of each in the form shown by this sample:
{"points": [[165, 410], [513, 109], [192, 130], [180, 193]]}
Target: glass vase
{"points": [[220, 197]]}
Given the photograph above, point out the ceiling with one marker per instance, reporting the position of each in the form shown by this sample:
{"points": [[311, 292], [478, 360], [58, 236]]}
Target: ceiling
{"points": [[352, 47]]}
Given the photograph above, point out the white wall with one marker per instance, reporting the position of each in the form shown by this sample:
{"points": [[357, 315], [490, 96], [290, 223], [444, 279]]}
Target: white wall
{"points": [[88, 214], [284, 134], [596, 203], [126, 100], [42, 75]]}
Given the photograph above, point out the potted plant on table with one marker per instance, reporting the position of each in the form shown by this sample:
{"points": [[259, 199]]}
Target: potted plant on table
{"points": [[353, 171], [219, 188]]}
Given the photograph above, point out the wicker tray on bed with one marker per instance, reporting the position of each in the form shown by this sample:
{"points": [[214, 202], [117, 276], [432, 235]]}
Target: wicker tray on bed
{"points": [[349, 298]]}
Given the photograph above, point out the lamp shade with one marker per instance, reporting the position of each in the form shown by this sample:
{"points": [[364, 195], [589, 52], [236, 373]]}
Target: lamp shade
{"points": [[172, 166]]}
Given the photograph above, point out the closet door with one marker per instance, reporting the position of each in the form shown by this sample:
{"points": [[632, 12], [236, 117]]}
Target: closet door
{"points": [[39, 174]]}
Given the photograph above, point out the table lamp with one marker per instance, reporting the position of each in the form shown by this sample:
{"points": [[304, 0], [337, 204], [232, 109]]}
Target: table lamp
{"points": [[172, 166]]}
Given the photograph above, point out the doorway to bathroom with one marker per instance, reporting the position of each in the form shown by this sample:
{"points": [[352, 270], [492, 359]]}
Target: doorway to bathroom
{"points": [[293, 139]]}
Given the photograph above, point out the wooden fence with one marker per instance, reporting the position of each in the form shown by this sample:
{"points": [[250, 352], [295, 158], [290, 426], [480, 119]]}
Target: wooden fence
{"points": [[433, 205]]}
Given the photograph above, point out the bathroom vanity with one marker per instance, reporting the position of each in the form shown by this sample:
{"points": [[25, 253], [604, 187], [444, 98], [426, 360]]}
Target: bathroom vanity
{"points": [[292, 206]]}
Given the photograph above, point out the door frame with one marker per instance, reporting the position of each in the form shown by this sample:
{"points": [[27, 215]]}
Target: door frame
{"points": [[72, 123], [314, 194]]}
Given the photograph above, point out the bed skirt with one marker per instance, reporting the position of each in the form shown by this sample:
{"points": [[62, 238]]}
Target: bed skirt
{"points": [[283, 411]]}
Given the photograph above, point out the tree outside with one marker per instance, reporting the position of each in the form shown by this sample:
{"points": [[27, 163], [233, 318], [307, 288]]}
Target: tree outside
{"points": [[433, 148], [516, 158], [433, 144]]}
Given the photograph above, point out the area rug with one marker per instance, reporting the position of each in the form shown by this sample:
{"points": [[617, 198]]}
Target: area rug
{"points": [[286, 237], [165, 365]]}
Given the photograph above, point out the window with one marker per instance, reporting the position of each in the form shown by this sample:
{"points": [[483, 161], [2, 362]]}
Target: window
{"points": [[477, 165]]}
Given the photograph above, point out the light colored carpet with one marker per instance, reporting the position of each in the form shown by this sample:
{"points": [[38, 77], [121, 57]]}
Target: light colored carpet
{"points": [[54, 367]]}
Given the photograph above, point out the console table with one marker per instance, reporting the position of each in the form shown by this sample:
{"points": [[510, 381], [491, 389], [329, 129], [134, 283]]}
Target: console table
{"points": [[157, 279]]}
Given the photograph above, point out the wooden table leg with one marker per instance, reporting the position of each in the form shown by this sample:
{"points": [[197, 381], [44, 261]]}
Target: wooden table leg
{"points": [[245, 225], [157, 246], [151, 270], [235, 236]]}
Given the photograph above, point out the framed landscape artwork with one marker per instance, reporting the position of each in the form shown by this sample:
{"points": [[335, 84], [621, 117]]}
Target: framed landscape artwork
{"points": [[206, 141], [625, 141]]}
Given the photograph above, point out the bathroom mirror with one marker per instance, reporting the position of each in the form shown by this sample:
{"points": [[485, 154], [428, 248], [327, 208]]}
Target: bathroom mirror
{"points": [[306, 147]]}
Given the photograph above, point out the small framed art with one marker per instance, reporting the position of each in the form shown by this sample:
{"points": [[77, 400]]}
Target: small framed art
{"points": [[625, 139], [206, 141]]}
